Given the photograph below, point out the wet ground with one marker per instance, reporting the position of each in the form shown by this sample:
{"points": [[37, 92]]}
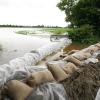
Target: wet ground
{"points": [[75, 46]]}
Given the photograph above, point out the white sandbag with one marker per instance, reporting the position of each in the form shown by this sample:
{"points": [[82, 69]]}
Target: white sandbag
{"points": [[81, 55], [91, 49]]}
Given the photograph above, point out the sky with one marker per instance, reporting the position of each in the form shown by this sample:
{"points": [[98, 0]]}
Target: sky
{"points": [[31, 12]]}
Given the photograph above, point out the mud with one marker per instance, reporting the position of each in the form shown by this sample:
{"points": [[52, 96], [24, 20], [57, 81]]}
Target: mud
{"points": [[83, 84]]}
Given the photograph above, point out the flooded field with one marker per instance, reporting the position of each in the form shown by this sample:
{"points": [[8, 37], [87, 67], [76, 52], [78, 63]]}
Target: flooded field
{"points": [[14, 45]]}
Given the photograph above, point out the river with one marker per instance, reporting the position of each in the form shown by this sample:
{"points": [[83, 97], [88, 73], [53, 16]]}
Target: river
{"points": [[14, 45]]}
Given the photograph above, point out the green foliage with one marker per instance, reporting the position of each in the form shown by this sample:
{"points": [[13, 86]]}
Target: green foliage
{"points": [[86, 12], [67, 6], [56, 31], [83, 35], [84, 16]]}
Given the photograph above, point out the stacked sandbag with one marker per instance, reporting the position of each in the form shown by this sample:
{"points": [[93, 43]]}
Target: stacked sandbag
{"points": [[70, 68], [30, 59], [57, 72], [64, 71], [40, 77], [73, 60], [81, 56], [61, 72], [16, 90], [92, 49], [83, 84]]}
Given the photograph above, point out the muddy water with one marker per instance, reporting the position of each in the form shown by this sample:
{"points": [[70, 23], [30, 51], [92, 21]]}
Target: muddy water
{"points": [[14, 45]]}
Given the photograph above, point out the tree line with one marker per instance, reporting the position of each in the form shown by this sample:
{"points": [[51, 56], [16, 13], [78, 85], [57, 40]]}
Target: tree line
{"points": [[84, 18], [23, 26]]}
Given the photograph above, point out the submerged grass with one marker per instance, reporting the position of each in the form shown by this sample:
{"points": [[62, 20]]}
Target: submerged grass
{"points": [[25, 32], [56, 31]]}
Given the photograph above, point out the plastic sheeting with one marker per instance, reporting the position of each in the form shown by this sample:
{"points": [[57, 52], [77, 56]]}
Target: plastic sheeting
{"points": [[48, 91], [93, 58], [98, 95], [7, 71]]}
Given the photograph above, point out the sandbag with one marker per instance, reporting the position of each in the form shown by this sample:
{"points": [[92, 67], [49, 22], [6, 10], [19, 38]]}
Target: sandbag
{"points": [[57, 72], [69, 68], [91, 49], [17, 90], [72, 51], [40, 77], [83, 84], [73, 60], [82, 56], [98, 45]]}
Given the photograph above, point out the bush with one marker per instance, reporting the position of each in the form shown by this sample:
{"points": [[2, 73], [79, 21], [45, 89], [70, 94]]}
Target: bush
{"points": [[84, 34]]}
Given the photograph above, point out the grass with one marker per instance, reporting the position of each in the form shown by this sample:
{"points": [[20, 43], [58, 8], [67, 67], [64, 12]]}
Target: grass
{"points": [[25, 32], [56, 31]]}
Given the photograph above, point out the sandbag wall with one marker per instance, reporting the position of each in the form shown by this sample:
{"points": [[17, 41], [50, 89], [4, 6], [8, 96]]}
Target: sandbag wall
{"points": [[60, 71], [30, 59]]}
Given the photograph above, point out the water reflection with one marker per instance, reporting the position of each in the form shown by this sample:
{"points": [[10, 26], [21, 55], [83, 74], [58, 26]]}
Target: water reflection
{"points": [[15, 45]]}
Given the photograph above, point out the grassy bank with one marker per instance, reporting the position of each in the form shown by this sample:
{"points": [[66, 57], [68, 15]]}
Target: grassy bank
{"points": [[57, 31], [80, 36]]}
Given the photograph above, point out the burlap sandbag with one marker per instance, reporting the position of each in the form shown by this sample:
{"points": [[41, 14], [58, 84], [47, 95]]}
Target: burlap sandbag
{"points": [[69, 68], [57, 72], [17, 90], [40, 77], [98, 45], [72, 51], [91, 49], [82, 56], [73, 60]]}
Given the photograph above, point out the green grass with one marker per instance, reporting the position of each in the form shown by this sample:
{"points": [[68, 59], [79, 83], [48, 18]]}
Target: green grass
{"points": [[56, 31], [25, 32]]}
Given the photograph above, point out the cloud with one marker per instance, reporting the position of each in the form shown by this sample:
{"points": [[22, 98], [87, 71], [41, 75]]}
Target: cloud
{"points": [[31, 12]]}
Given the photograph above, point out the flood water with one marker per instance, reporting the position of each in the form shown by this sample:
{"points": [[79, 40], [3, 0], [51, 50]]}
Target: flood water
{"points": [[14, 45]]}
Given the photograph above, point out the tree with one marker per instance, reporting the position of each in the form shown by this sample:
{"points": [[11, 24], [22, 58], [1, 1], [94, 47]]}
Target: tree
{"points": [[67, 6], [84, 16], [81, 12]]}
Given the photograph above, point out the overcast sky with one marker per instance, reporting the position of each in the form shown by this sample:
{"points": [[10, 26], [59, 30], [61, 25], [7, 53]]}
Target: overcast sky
{"points": [[31, 12]]}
